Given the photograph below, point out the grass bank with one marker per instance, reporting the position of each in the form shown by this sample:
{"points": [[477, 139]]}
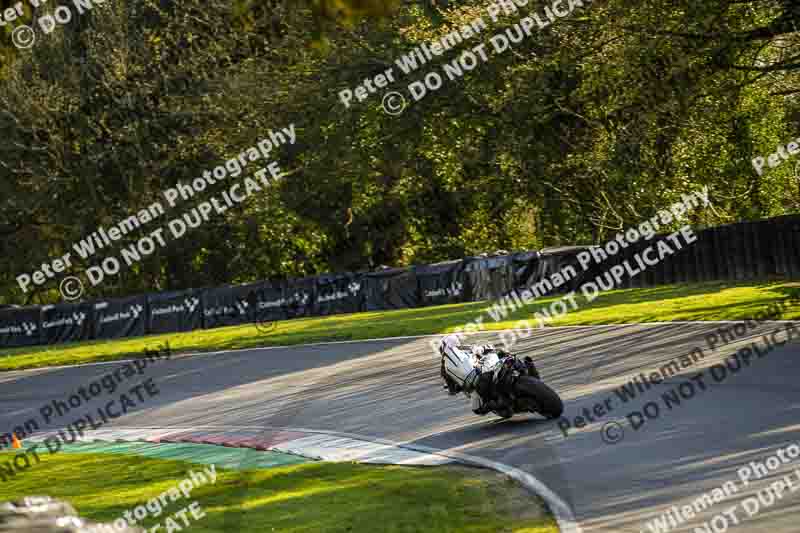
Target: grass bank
{"points": [[703, 301], [307, 498]]}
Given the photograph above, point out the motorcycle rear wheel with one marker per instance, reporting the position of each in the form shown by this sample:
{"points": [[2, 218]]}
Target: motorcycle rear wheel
{"points": [[547, 400]]}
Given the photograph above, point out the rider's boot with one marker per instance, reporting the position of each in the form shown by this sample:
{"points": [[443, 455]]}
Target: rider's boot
{"points": [[452, 387], [484, 409]]}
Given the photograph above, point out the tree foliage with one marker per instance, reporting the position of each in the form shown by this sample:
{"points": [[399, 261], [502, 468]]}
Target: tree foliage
{"points": [[583, 128]]}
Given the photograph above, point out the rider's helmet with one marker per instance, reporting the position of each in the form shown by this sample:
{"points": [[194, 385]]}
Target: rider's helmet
{"points": [[451, 341]]}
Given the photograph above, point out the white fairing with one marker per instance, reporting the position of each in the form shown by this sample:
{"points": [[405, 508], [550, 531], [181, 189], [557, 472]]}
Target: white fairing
{"points": [[489, 361], [458, 358], [462, 364]]}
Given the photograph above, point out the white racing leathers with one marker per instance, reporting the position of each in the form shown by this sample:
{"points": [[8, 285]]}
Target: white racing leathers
{"points": [[462, 365]]}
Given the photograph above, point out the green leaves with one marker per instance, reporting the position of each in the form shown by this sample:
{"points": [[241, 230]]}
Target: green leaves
{"points": [[582, 128]]}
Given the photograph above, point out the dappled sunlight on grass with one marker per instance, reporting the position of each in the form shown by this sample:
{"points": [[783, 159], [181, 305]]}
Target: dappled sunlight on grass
{"points": [[719, 302], [307, 498], [285, 495]]}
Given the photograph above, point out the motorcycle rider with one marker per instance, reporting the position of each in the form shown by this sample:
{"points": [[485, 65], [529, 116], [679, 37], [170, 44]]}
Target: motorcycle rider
{"points": [[462, 372]]}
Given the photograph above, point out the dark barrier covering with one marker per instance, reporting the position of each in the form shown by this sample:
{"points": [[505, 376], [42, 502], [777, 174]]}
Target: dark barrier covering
{"points": [[267, 298], [227, 306], [501, 274], [740, 251], [339, 293], [748, 250], [558, 259], [67, 323], [20, 326], [300, 295], [441, 283], [393, 288], [525, 265], [489, 277], [174, 311], [477, 279], [125, 317]]}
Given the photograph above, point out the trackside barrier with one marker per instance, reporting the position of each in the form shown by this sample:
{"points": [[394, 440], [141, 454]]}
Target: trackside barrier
{"points": [[746, 250]]}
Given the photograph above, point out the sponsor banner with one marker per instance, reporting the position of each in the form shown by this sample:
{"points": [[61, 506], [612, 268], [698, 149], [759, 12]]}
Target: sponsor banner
{"points": [[20, 327], [120, 317], [229, 306], [441, 283], [67, 323], [174, 311], [300, 295], [393, 288], [269, 301], [339, 293]]}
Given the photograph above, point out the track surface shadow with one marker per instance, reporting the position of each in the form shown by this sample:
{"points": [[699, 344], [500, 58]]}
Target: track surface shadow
{"points": [[391, 390]]}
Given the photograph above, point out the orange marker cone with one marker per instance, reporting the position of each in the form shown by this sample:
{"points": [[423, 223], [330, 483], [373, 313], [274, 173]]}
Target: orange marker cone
{"points": [[15, 443]]}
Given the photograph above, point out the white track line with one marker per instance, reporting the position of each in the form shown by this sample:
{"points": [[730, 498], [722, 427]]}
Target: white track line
{"points": [[561, 511]]}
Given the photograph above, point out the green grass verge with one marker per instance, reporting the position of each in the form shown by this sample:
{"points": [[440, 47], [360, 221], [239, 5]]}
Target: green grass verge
{"points": [[312, 498], [704, 301]]}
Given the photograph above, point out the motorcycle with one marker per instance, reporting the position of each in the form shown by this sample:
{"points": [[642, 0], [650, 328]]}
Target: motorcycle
{"points": [[509, 386]]}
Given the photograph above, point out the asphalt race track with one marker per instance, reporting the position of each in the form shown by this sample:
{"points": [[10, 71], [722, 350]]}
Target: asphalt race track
{"points": [[391, 390]]}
